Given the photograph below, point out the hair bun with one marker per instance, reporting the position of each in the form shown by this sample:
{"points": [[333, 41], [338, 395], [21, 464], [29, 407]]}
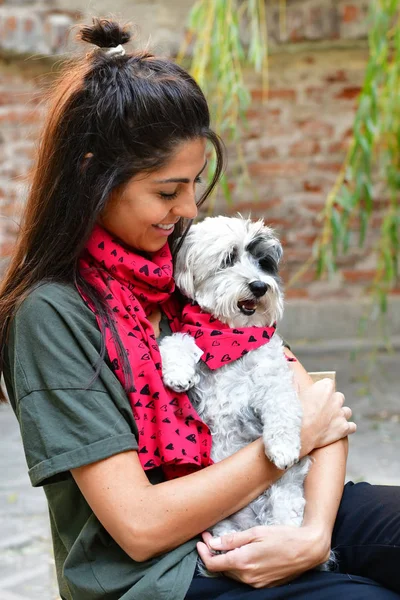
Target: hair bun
{"points": [[104, 33]]}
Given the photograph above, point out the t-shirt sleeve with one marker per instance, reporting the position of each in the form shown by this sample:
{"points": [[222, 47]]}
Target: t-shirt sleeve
{"points": [[67, 418]]}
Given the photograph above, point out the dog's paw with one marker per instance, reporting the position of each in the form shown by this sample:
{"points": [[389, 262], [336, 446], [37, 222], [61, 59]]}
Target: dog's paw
{"points": [[181, 382], [282, 455]]}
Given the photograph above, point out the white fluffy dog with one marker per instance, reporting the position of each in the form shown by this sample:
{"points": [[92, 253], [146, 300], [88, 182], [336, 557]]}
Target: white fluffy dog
{"points": [[229, 267]]}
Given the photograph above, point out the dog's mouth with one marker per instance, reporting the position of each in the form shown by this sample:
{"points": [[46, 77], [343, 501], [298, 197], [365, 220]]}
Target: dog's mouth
{"points": [[247, 307]]}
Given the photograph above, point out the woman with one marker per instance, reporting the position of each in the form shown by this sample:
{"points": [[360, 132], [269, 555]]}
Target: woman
{"points": [[88, 291]]}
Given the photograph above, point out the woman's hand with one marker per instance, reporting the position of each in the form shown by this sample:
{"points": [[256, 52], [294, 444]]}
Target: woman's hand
{"points": [[266, 556], [325, 419]]}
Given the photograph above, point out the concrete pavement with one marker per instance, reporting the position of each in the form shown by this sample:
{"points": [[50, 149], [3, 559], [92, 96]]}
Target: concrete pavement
{"points": [[372, 389]]}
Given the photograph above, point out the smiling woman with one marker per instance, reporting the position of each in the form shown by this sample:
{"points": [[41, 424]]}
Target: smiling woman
{"points": [[145, 210], [124, 461]]}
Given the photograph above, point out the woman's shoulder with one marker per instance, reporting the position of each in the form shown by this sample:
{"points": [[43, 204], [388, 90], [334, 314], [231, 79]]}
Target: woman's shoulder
{"points": [[56, 311], [52, 296]]}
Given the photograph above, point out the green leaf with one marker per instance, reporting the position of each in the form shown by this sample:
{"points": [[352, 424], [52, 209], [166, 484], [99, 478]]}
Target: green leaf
{"points": [[336, 230], [225, 189], [363, 227]]}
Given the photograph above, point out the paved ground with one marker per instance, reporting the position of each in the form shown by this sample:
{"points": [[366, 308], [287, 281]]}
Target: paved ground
{"points": [[26, 564]]}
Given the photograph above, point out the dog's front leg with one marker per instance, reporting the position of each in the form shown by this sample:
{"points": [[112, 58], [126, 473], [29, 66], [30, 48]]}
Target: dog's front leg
{"points": [[277, 403], [180, 356]]}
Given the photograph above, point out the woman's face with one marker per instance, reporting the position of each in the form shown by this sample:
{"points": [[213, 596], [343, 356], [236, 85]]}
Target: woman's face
{"points": [[144, 211]]}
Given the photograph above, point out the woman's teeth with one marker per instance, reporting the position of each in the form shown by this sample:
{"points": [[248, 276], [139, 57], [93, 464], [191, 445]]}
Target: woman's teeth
{"points": [[165, 226]]}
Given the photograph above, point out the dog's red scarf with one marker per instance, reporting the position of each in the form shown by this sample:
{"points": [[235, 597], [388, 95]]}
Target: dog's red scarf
{"points": [[220, 343], [171, 433]]}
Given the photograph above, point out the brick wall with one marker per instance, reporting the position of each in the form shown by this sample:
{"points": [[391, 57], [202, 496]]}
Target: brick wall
{"points": [[21, 90], [294, 148], [294, 145]]}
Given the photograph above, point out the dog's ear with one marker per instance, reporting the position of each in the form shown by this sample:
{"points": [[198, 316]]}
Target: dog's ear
{"points": [[276, 250], [183, 274]]}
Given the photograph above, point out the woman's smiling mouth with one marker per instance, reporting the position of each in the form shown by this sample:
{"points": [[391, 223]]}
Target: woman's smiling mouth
{"points": [[165, 229]]}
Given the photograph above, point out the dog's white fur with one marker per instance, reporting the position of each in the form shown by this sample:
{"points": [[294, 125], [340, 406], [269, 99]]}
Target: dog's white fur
{"points": [[255, 395]]}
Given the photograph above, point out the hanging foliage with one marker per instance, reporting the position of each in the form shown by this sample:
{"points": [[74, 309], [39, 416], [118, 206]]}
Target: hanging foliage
{"points": [[218, 56], [373, 157], [216, 31]]}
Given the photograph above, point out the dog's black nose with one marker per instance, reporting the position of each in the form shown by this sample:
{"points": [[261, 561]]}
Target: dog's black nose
{"points": [[258, 288]]}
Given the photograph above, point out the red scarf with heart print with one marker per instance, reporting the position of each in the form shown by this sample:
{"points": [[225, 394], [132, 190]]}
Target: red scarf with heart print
{"points": [[171, 433], [220, 343]]}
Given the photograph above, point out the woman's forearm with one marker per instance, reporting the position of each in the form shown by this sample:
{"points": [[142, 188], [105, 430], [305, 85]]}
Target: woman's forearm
{"points": [[323, 489], [325, 481], [146, 520]]}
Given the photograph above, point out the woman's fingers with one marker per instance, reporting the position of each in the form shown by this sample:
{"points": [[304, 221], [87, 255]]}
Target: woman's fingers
{"points": [[340, 397], [347, 412], [325, 418], [231, 541], [218, 562], [352, 428]]}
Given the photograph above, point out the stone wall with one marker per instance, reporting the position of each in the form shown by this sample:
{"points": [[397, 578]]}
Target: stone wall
{"points": [[294, 145]]}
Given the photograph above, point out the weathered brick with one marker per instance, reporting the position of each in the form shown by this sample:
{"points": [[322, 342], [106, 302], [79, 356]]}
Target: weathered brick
{"points": [[316, 129], [338, 76], [306, 147], [348, 93], [316, 94], [352, 275], [328, 166], [339, 147], [307, 238], [56, 30], [268, 152], [287, 168], [257, 207], [296, 293], [274, 94], [13, 116], [350, 13], [312, 187]]}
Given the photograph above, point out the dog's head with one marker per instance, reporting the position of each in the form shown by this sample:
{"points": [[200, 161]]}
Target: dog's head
{"points": [[229, 266]]}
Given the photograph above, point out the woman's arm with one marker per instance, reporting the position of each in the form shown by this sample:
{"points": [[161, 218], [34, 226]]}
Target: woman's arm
{"points": [[324, 483], [146, 520]]}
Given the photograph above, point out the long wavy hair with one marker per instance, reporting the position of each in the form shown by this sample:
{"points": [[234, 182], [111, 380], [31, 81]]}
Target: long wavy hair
{"points": [[110, 117]]}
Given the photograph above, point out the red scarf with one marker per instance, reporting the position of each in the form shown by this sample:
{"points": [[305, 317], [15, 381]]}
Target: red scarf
{"points": [[220, 343], [171, 433]]}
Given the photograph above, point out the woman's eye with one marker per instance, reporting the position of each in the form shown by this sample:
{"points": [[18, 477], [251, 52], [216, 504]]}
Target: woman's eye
{"points": [[169, 196], [174, 194]]}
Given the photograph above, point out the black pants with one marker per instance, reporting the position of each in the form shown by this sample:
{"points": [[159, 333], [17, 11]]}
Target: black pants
{"points": [[366, 539]]}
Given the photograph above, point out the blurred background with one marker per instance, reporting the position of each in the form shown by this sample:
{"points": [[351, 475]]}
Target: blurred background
{"points": [[305, 96]]}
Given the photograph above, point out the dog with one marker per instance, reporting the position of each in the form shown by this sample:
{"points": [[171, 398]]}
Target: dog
{"points": [[228, 267]]}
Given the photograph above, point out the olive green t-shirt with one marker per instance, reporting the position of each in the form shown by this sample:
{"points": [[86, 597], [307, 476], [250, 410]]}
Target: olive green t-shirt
{"points": [[68, 420]]}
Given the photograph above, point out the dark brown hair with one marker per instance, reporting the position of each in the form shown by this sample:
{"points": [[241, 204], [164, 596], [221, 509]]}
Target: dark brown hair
{"points": [[110, 117]]}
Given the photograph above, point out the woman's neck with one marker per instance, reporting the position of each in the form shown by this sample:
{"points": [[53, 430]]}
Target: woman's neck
{"points": [[155, 317]]}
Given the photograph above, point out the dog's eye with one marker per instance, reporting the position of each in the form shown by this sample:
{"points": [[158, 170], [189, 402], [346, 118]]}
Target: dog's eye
{"points": [[268, 264], [230, 258]]}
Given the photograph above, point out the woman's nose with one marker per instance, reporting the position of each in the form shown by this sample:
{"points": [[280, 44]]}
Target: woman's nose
{"points": [[187, 207]]}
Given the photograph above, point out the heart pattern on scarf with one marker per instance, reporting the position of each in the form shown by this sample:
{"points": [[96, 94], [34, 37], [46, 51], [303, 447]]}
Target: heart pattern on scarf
{"points": [[232, 343], [132, 288]]}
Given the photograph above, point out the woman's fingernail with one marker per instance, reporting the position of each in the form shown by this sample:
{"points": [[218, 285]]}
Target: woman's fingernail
{"points": [[215, 542]]}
